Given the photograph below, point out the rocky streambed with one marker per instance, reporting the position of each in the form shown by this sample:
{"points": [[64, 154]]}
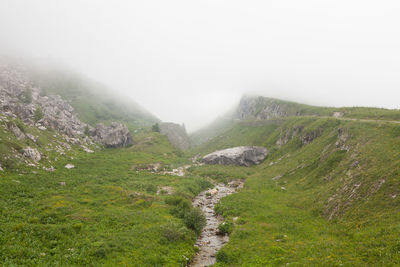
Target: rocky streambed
{"points": [[210, 241]]}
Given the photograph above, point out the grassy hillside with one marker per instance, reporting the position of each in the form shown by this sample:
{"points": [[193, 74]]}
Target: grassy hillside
{"points": [[49, 143], [327, 195], [93, 102], [255, 108]]}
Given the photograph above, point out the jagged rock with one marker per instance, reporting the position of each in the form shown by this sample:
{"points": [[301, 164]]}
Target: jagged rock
{"points": [[19, 97], [31, 137], [115, 135], [176, 134], [32, 154], [86, 149], [17, 132], [242, 155], [289, 134], [69, 166], [308, 137]]}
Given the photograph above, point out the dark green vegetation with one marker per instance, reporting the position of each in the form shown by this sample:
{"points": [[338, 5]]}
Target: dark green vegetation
{"points": [[327, 195]]}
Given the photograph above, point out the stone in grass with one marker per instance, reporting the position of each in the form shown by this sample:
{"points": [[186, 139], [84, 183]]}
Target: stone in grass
{"points": [[69, 166]]}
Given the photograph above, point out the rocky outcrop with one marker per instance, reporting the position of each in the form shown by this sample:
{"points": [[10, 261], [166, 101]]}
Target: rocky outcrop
{"points": [[176, 134], [242, 155], [115, 135], [32, 154], [20, 97], [307, 137], [259, 108], [289, 134]]}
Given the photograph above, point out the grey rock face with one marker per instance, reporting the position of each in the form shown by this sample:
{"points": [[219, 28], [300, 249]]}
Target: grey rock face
{"points": [[242, 155], [32, 153], [115, 135], [19, 97], [259, 108], [176, 134]]}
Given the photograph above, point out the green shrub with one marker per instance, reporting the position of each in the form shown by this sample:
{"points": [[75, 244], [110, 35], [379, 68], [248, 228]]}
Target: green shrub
{"points": [[156, 128], [87, 131], [195, 220], [192, 217], [181, 209], [225, 228], [38, 114], [172, 232], [174, 200], [223, 257]]}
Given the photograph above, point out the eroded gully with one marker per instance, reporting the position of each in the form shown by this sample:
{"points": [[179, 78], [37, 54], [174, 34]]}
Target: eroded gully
{"points": [[210, 241]]}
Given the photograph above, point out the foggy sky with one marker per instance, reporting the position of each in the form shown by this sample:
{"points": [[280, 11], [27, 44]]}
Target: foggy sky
{"points": [[189, 61]]}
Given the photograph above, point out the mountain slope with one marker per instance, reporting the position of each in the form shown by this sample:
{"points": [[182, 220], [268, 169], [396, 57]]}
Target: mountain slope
{"points": [[327, 195], [93, 102]]}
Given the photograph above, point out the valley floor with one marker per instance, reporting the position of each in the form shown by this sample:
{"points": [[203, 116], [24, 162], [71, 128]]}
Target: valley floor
{"points": [[327, 195]]}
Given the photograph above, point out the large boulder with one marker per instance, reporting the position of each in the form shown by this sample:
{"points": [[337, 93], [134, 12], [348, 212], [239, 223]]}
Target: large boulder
{"points": [[115, 135], [242, 155]]}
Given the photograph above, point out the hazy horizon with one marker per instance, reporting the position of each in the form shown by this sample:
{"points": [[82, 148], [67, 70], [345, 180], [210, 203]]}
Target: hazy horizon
{"points": [[189, 62]]}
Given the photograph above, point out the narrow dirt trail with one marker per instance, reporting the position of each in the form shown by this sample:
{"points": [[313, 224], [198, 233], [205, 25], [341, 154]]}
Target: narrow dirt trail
{"points": [[209, 241]]}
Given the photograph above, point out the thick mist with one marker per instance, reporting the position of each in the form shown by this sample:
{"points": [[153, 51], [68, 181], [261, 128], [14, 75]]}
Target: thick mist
{"points": [[189, 61]]}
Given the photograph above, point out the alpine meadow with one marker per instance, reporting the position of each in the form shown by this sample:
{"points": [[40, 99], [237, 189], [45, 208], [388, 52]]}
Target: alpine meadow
{"points": [[213, 133]]}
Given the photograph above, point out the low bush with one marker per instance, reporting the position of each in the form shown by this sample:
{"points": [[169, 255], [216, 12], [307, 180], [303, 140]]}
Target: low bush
{"points": [[195, 220], [225, 228]]}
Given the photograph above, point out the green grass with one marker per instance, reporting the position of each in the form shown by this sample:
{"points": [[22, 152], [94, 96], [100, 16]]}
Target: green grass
{"points": [[330, 201], [103, 212], [328, 208], [106, 213]]}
